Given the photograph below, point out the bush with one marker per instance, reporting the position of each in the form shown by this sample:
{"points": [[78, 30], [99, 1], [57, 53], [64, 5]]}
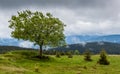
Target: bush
{"points": [[58, 55], [62, 53], [103, 59], [76, 52], [70, 54], [87, 56], [36, 69]]}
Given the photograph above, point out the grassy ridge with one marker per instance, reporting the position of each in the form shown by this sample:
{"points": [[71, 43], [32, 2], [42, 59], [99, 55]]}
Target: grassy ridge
{"points": [[23, 62]]}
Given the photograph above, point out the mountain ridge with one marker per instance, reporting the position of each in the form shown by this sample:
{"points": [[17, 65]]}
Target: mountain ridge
{"points": [[69, 40], [94, 47], [92, 38]]}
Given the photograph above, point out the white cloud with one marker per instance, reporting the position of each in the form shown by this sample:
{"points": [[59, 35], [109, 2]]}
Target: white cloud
{"points": [[83, 44], [4, 30], [100, 43], [75, 40], [91, 28], [26, 44], [78, 22]]}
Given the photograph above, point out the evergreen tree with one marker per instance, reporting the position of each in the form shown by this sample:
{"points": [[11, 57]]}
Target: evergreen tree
{"points": [[87, 55], [76, 52], [57, 54], [70, 54], [103, 58]]}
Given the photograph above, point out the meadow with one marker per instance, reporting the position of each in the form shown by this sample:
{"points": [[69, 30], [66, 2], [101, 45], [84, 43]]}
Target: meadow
{"points": [[24, 62]]}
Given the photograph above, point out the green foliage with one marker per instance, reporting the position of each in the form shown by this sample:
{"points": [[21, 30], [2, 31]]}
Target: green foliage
{"points": [[70, 54], [38, 28], [57, 54], [36, 68], [42, 30], [76, 52], [62, 53], [103, 58], [87, 55]]}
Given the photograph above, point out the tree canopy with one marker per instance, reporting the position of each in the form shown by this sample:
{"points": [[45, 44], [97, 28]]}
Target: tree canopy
{"points": [[41, 29]]}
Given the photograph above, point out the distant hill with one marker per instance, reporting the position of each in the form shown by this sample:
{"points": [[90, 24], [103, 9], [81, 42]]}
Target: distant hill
{"points": [[94, 47], [4, 49], [92, 38], [111, 43], [69, 39]]}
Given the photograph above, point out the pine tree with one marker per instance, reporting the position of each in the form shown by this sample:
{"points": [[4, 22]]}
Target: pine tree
{"points": [[57, 54], [70, 54], [87, 56], [76, 52], [103, 58]]}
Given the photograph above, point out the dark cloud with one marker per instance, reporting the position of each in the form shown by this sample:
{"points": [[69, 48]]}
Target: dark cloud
{"points": [[81, 16], [91, 9], [53, 3]]}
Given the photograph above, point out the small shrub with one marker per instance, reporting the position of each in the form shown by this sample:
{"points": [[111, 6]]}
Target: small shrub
{"points": [[58, 55], [85, 67], [62, 53], [76, 52], [2, 58], [70, 55], [36, 69], [41, 57], [103, 58], [87, 56]]}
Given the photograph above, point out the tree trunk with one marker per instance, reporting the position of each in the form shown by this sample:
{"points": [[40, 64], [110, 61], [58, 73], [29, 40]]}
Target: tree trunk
{"points": [[40, 52]]}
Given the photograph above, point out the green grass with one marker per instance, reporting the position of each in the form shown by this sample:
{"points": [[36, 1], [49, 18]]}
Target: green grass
{"points": [[23, 62]]}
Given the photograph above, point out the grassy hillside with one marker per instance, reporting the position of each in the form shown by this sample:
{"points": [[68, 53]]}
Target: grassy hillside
{"points": [[24, 62]]}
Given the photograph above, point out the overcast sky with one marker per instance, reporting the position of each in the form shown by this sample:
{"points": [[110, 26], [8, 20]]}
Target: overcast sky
{"points": [[82, 17]]}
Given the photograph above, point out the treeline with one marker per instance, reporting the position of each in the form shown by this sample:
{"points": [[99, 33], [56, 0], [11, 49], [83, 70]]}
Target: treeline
{"points": [[94, 47], [4, 49]]}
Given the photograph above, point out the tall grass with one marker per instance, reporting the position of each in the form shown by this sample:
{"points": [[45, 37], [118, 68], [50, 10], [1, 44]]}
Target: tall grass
{"points": [[23, 62]]}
